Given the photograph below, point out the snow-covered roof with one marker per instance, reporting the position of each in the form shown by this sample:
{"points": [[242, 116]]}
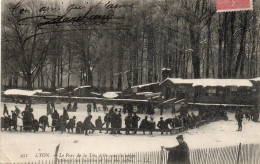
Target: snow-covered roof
{"points": [[20, 92], [59, 89], [143, 93], [179, 81], [207, 104], [256, 79], [143, 85], [166, 69], [211, 82], [110, 95], [80, 87], [222, 82]]}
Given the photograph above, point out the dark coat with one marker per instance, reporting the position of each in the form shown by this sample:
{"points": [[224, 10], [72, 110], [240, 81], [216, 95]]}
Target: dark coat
{"points": [[87, 123], [71, 124], [44, 120], [55, 117], [98, 123], [113, 119], [89, 108], [14, 117], [144, 124], [179, 154], [35, 125], [119, 120], [79, 127], [107, 118], [128, 121], [162, 125], [65, 114], [5, 111], [135, 120], [239, 117], [69, 107], [151, 125]]}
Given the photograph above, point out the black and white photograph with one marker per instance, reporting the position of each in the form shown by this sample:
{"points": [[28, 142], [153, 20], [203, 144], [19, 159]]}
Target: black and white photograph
{"points": [[130, 82]]}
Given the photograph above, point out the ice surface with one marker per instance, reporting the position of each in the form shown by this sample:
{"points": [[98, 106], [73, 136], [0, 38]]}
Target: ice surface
{"points": [[215, 134]]}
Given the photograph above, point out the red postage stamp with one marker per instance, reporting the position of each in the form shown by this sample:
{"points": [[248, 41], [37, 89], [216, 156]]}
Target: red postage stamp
{"points": [[233, 5]]}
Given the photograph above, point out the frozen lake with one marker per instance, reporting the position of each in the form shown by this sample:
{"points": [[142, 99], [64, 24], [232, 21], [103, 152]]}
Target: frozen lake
{"points": [[215, 134]]}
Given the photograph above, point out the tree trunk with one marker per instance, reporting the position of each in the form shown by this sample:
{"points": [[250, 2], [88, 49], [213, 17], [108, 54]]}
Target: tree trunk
{"points": [[195, 42], [53, 82], [208, 48], [241, 54], [225, 24], [232, 40], [220, 35]]}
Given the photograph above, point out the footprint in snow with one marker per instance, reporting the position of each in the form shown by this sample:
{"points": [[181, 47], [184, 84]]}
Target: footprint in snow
{"points": [[75, 141]]}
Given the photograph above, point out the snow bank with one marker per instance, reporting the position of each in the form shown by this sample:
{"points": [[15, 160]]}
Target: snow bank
{"points": [[110, 95], [21, 92]]}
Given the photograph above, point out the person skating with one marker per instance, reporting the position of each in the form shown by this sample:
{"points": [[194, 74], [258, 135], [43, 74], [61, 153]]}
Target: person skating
{"points": [[119, 121], [161, 109], [179, 154], [55, 119], [89, 106], [69, 107], [65, 114], [107, 120], [128, 123], [95, 106], [144, 124], [52, 105], [151, 125], [14, 120], [88, 125], [49, 110], [135, 120], [75, 107], [62, 124], [43, 120], [113, 120], [5, 111], [239, 118], [17, 111], [99, 124], [71, 124]]}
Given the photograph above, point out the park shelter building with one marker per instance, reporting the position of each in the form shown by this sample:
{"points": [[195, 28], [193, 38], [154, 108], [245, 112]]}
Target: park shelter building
{"points": [[215, 91]]}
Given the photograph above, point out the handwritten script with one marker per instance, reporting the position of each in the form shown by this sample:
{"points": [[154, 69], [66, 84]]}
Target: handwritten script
{"points": [[74, 14]]}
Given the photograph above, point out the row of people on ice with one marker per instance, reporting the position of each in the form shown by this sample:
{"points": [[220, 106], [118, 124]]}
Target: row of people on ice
{"points": [[127, 108], [112, 119]]}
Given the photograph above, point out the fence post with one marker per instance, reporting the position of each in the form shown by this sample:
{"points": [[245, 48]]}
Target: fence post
{"points": [[239, 150]]}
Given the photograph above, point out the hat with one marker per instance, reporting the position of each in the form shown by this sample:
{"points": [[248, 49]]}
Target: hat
{"points": [[179, 137], [161, 118]]}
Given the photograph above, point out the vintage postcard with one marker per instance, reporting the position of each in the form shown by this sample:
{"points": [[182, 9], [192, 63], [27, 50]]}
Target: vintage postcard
{"points": [[130, 82]]}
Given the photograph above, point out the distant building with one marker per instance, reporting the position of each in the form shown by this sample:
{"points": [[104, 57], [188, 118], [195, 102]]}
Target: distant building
{"points": [[221, 91]]}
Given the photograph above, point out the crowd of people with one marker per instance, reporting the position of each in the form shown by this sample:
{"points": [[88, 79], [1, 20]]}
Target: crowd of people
{"points": [[112, 120]]}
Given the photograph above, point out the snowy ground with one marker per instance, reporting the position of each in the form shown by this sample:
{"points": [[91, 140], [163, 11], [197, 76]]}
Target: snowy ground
{"points": [[216, 134]]}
